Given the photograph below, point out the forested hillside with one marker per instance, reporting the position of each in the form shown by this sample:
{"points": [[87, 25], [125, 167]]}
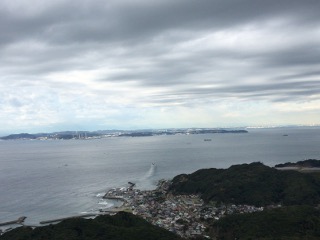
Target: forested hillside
{"points": [[254, 184], [294, 222], [122, 226]]}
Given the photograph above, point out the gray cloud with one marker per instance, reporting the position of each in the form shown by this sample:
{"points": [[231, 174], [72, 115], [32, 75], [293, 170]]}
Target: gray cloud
{"points": [[171, 52], [291, 91], [99, 21]]}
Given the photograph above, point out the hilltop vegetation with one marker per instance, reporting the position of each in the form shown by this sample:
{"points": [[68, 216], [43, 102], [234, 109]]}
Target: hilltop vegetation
{"points": [[122, 226], [259, 185], [295, 222], [253, 184], [310, 163]]}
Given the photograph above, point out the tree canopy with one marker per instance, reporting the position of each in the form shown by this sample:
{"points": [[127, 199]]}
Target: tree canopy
{"points": [[122, 226], [254, 184]]}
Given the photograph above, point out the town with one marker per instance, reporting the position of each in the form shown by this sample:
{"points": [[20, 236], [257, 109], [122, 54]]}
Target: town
{"points": [[185, 215]]}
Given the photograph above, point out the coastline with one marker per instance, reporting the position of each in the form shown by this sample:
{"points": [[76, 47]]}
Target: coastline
{"points": [[117, 206], [185, 214]]}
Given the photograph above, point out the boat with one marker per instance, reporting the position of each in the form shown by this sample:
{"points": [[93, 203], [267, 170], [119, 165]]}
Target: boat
{"points": [[132, 184]]}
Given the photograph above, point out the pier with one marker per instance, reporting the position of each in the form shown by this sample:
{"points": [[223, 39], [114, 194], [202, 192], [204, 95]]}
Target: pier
{"points": [[20, 220], [114, 210], [113, 198]]}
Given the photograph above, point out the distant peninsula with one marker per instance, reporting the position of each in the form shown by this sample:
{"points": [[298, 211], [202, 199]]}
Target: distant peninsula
{"points": [[68, 135]]}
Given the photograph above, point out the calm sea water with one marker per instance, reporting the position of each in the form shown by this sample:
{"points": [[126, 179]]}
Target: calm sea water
{"points": [[52, 179]]}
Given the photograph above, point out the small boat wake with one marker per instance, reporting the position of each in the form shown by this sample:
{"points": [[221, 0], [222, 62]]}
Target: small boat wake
{"points": [[146, 181], [151, 171]]}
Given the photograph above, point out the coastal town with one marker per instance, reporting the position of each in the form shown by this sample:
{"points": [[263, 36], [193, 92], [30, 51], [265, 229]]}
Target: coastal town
{"points": [[185, 215]]}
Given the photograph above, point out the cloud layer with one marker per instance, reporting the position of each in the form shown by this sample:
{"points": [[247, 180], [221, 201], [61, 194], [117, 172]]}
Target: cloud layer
{"points": [[135, 64]]}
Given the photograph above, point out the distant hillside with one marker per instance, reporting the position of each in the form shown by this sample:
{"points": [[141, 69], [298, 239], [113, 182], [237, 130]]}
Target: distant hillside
{"points": [[19, 136], [296, 222], [206, 131], [122, 226], [310, 163], [66, 135], [58, 135], [254, 184]]}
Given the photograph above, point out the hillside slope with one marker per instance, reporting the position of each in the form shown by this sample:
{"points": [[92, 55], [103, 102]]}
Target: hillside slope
{"points": [[294, 222], [254, 184], [122, 226]]}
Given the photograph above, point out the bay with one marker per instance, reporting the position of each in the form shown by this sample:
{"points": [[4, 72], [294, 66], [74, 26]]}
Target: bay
{"points": [[52, 179]]}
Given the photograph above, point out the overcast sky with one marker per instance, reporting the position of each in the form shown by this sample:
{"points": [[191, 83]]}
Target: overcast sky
{"points": [[130, 64]]}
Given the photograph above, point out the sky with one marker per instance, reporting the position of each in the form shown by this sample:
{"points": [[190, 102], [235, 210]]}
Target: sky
{"points": [[136, 64]]}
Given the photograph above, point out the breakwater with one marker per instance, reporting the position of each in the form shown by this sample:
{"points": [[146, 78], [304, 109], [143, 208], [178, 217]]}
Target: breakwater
{"points": [[20, 220]]}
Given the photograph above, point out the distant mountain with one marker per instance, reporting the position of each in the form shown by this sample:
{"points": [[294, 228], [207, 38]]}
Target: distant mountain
{"points": [[253, 184], [122, 226]]}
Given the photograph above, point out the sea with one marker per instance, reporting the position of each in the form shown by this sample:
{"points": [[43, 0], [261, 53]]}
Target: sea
{"points": [[51, 179]]}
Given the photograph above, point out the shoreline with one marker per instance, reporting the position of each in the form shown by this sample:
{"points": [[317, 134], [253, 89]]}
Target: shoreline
{"points": [[117, 206]]}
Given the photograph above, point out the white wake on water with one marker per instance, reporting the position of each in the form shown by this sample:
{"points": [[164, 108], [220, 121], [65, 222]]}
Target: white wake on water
{"points": [[150, 172], [147, 181]]}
